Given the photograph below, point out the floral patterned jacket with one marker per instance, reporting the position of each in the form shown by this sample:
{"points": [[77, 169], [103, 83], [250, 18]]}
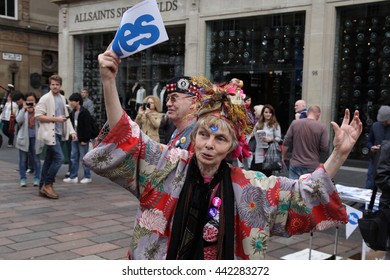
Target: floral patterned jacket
{"points": [[155, 174]]}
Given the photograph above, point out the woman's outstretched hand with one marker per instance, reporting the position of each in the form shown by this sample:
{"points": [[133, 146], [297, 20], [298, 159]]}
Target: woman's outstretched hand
{"points": [[347, 134], [108, 68], [345, 137]]}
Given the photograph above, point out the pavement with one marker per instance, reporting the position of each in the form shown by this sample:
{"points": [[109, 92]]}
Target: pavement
{"points": [[95, 221]]}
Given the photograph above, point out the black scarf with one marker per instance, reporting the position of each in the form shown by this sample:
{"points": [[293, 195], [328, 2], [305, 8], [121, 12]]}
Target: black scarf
{"points": [[186, 241]]}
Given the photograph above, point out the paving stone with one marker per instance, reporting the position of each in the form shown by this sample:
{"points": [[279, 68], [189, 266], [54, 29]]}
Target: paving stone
{"points": [[24, 224], [5, 241], [83, 221], [40, 210], [110, 229], [50, 226], [101, 224], [73, 236], [108, 237], [91, 214], [115, 217], [66, 255], [69, 229], [14, 232], [118, 254], [32, 244], [90, 257], [95, 249], [4, 250], [69, 245], [28, 254], [31, 236]]}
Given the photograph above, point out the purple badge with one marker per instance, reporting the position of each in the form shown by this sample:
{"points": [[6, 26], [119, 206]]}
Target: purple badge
{"points": [[213, 212], [216, 201]]}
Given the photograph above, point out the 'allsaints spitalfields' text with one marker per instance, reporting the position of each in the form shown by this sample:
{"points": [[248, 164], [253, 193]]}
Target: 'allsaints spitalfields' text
{"points": [[166, 6]]}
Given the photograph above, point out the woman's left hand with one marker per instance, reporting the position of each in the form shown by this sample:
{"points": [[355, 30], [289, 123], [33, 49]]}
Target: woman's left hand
{"points": [[347, 134]]}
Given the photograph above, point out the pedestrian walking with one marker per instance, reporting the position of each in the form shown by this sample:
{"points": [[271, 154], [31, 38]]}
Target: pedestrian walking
{"points": [[54, 127]]}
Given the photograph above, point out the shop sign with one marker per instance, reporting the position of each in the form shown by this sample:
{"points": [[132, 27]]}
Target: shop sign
{"points": [[12, 56], [112, 13]]}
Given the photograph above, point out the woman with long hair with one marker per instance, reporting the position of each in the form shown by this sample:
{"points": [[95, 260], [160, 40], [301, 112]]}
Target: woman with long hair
{"points": [[149, 117], [268, 126]]}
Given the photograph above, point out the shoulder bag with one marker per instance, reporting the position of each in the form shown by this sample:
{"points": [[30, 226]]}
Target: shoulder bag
{"points": [[273, 157], [375, 226]]}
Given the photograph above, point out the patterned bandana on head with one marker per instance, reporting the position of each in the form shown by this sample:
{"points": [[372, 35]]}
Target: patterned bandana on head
{"points": [[226, 102], [182, 84]]}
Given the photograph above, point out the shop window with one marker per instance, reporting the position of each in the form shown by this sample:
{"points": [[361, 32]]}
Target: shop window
{"points": [[8, 8], [266, 52], [363, 65]]}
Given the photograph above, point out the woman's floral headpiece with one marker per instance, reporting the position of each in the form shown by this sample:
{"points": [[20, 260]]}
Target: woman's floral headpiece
{"points": [[226, 101]]}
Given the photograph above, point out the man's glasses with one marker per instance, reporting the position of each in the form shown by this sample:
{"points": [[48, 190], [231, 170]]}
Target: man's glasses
{"points": [[175, 97]]}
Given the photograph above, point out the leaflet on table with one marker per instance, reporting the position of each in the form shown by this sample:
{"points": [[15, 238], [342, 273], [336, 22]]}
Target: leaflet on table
{"points": [[141, 27], [359, 194], [260, 135]]}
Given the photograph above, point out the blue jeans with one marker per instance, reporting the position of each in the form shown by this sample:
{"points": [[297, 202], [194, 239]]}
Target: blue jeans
{"points": [[23, 160], [53, 161], [296, 171], [6, 132], [370, 175], [78, 151]]}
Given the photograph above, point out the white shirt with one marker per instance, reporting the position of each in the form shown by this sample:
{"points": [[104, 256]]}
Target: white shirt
{"points": [[6, 114]]}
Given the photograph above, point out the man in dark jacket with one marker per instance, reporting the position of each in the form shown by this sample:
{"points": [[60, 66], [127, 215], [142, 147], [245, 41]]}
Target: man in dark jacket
{"points": [[81, 120], [382, 179], [379, 131]]}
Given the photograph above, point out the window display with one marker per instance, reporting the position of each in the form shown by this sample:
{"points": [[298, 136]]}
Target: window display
{"points": [[266, 52], [363, 60]]}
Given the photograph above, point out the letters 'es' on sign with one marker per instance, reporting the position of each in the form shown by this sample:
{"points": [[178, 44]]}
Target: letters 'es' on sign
{"points": [[141, 27]]}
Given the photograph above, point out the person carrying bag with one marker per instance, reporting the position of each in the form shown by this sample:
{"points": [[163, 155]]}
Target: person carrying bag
{"points": [[267, 132], [375, 226]]}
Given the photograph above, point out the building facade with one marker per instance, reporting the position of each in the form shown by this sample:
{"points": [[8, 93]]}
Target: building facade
{"points": [[332, 53], [28, 44]]}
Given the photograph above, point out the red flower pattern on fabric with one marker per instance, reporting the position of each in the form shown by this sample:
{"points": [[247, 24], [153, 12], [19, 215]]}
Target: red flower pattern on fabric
{"points": [[210, 233], [298, 223], [273, 196]]}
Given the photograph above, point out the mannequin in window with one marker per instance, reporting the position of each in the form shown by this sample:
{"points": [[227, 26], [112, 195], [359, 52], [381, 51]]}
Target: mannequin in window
{"points": [[162, 98], [131, 101], [157, 89], [141, 94]]}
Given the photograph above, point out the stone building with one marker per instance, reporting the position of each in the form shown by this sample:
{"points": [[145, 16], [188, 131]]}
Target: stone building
{"points": [[333, 53], [28, 44]]}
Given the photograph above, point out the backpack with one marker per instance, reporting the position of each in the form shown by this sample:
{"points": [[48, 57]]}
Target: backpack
{"points": [[95, 128]]}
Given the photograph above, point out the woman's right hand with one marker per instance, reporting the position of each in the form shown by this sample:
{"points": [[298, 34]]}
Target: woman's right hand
{"points": [[108, 68], [108, 64]]}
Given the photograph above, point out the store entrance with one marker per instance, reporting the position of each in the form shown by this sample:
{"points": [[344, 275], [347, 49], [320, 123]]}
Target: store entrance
{"points": [[276, 88]]}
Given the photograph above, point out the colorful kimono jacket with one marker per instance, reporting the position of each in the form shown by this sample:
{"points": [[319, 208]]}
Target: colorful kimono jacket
{"points": [[155, 174]]}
